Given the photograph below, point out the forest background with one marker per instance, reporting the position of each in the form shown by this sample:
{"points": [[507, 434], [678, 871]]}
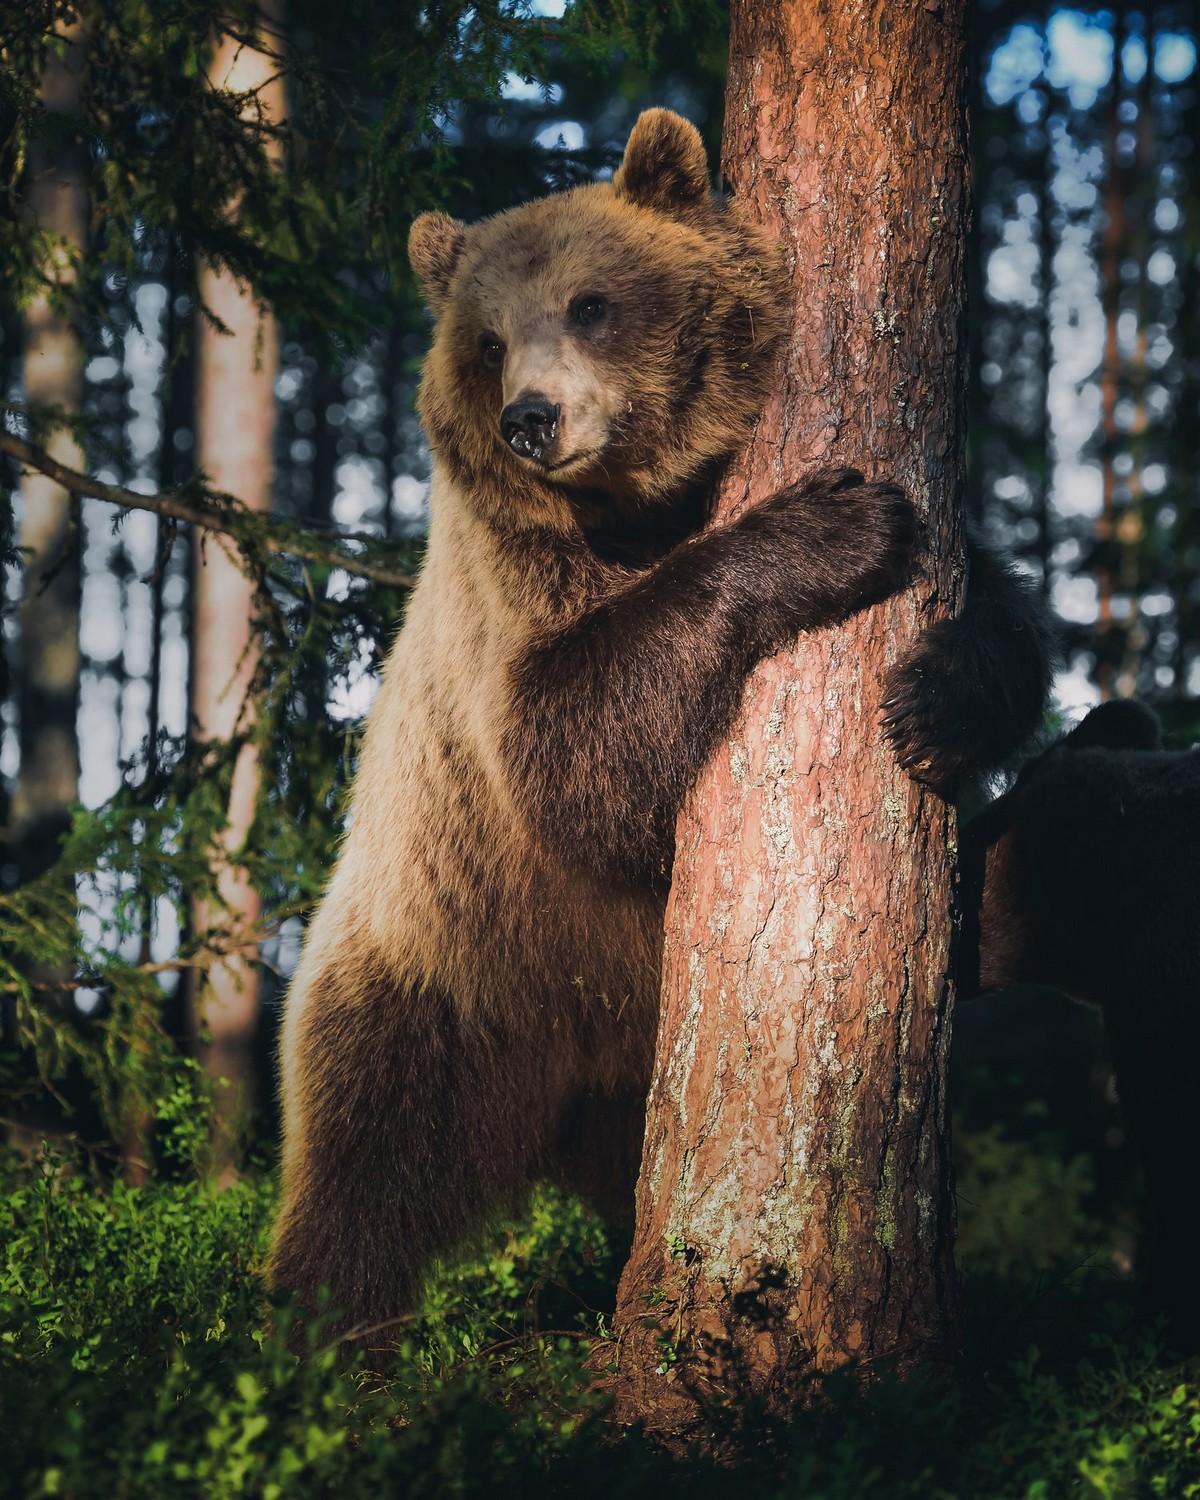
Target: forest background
{"points": [[167, 832]]}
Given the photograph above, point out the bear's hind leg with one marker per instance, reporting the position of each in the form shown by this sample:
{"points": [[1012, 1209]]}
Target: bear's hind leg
{"points": [[412, 1121], [598, 1150]]}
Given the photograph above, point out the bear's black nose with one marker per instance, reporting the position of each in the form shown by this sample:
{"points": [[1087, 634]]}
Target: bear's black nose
{"points": [[529, 426]]}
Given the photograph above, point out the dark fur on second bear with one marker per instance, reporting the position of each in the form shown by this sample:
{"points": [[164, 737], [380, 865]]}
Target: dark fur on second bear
{"points": [[477, 999], [1086, 877]]}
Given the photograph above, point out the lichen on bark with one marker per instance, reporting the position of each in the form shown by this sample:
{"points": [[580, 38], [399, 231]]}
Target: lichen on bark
{"points": [[796, 1143]]}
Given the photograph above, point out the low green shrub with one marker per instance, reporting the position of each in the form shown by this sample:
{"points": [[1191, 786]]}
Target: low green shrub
{"points": [[1024, 1207], [139, 1358]]}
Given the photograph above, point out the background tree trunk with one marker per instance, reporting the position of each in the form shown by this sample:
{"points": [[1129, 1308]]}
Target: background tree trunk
{"points": [[793, 1209], [47, 679], [48, 683], [235, 425]]}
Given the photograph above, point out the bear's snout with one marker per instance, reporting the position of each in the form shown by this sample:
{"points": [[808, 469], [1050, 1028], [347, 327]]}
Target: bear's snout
{"points": [[530, 426]]}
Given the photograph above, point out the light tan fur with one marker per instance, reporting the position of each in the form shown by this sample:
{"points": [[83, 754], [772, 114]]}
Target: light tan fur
{"points": [[477, 999], [432, 787]]}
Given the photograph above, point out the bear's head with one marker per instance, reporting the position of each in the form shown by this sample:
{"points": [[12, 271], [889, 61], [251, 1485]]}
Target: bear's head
{"points": [[605, 346]]}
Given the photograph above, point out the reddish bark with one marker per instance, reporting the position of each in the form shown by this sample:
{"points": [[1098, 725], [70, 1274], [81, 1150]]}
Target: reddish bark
{"points": [[235, 422], [793, 1209]]}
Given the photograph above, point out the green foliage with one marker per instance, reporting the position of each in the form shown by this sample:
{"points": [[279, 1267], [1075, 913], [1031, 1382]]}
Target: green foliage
{"points": [[1023, 1206], [160, 841], [308, 213], [71, 923], [173, 157], [1124, 1423], [159, 844], [135, 1358], [643, 31], [138, 1359], [100, 1274]]}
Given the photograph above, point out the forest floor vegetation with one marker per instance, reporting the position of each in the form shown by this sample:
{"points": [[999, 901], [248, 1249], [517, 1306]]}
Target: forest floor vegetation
{"points": [[139, 1357]]}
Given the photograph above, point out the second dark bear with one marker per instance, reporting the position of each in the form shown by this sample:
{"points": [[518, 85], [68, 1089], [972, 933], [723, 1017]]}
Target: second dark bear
{"points": [[477, 998], [1086, 877]]}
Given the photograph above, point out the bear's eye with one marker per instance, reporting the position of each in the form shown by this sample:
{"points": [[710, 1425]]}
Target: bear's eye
{"points": [[491, 351], [589, 309]]}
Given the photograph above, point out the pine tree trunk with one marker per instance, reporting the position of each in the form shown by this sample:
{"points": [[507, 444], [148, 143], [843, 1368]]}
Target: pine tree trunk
{"points": [[793, 1210], [235, 421], [48, 681]]}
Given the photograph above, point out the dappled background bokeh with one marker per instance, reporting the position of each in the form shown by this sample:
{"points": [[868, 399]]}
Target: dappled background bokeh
{"points": [[1084, 401]]}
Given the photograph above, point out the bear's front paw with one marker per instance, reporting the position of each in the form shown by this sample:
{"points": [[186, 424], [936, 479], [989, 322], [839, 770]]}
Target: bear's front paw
{"points": [[829, 545], [876, 530], [929, 714]]}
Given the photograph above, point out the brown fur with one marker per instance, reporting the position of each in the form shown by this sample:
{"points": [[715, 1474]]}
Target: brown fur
{"points": [[697, 304], [477, 998]]}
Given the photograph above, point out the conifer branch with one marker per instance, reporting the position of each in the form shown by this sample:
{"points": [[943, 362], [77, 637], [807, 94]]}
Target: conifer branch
{"points": [[101, 979], [213, 511]]}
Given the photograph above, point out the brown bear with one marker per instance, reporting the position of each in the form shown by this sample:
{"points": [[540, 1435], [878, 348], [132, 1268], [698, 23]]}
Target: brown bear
{"points": [[477, 997], [1086, 877]]}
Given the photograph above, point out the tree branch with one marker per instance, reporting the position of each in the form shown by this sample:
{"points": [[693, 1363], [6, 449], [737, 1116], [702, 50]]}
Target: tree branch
{"points": [[99, 979], [207, 958], [214, 512]]}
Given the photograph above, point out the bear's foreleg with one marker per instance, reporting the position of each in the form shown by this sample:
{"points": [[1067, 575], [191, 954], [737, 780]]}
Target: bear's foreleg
{"points": [[973, 689], [405, 1123], [614, 717]]}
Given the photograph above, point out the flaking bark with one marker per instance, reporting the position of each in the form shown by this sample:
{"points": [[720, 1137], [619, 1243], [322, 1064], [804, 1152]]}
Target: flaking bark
{"points": [[793, 1209]]}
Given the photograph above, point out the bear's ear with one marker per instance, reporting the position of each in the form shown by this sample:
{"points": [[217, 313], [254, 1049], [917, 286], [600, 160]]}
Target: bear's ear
{"points": [[435, 243], [1121, 724], [665, 166]]}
